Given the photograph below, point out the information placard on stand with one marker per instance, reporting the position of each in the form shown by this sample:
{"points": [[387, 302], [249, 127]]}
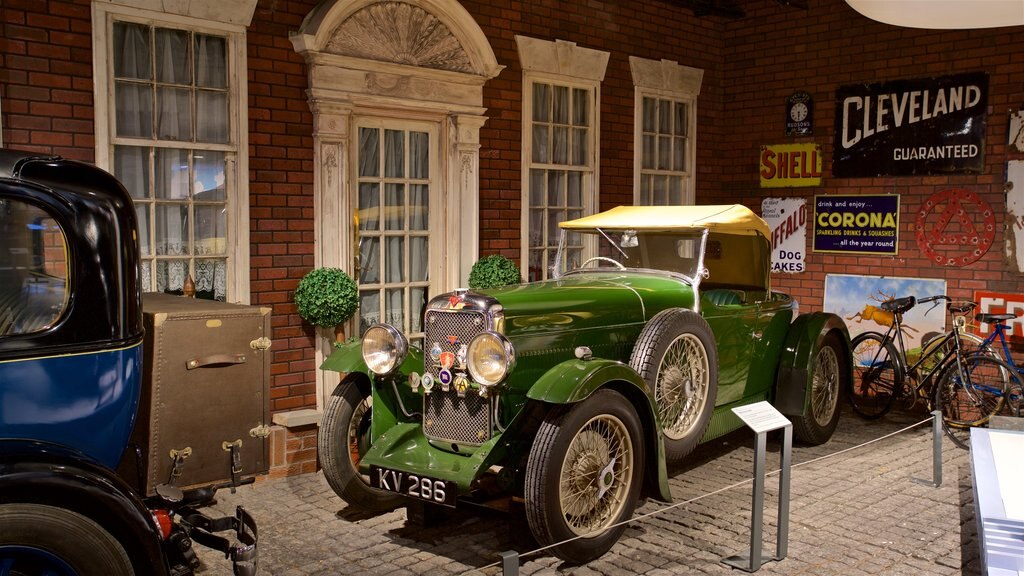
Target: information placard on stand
{"points": [[762, 418]]}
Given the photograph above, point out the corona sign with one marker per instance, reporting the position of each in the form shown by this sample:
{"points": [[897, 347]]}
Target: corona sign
{"points": [[789, 165]]}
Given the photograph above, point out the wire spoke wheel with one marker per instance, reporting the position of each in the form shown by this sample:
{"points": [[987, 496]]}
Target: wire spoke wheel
{"points": [[971, 392], [876, 375], [825, 386], [583, 476], [682, 387], [596, 475]]}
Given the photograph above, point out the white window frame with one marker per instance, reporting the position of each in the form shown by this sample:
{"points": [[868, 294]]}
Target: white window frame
{"points": [[236, 150], [665, 80], [560, 63]]}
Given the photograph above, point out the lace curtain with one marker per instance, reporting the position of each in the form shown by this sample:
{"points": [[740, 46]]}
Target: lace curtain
{"points": [[180, 72]]}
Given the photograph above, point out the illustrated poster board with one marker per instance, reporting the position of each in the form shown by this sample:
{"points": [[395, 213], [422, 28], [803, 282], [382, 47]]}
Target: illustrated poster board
{"points": [[856, 299]]}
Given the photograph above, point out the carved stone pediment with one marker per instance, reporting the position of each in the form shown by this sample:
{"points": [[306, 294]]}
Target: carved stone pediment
{"points": [[402, 34]]}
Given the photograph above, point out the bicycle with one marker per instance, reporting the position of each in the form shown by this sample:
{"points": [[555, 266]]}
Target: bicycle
{"points": [[986, 346], [970, 389]]}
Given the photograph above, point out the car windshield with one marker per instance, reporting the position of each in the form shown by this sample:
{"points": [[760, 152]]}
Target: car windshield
{"points": [[678, 252]]}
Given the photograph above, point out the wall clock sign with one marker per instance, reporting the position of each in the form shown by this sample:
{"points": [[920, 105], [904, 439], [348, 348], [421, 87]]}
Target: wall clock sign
{"points": [[799, 114]]}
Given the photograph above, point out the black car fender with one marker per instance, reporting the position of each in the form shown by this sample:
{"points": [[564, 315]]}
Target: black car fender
{"points": [[806, 333], [43, 473]]}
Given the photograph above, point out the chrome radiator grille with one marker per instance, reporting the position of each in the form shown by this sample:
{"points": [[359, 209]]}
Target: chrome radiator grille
{"points": [[446, 416]]}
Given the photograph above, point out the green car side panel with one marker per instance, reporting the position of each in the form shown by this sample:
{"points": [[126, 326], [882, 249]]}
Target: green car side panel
{"points": [[792, 391]]}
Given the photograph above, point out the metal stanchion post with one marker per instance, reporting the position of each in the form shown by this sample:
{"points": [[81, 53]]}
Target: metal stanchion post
{"points": [[936, 480], [510, 563]]}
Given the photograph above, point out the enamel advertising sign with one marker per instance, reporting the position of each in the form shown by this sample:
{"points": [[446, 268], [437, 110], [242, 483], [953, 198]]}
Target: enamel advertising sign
{"points": [[787, 217], [784, 165], [857, 224], [908, 127]]}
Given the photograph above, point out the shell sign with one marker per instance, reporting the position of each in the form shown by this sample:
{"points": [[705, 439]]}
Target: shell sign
{"points": [[789, 165]]}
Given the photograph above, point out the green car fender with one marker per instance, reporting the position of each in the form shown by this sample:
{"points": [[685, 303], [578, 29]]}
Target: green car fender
{"points": [[805, 337], [389, 392], [575, 380]]}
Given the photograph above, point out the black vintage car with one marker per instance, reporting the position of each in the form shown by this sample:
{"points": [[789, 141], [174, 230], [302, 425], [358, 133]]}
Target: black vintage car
{"points": [[71, 339]]}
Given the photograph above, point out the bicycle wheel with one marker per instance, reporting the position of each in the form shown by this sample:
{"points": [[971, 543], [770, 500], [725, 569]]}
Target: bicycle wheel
{"points": [[971, 392], [877, 376], [969, 344]]}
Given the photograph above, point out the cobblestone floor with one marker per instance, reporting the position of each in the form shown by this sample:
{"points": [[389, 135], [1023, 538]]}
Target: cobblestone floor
{"points": [[852, 513]]}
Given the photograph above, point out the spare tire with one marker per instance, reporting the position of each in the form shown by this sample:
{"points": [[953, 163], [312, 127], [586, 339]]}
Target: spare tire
{"points": [[676, 355]]}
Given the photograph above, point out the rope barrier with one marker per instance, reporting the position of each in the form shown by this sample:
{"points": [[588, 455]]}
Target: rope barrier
{"points": [[702, 496]]}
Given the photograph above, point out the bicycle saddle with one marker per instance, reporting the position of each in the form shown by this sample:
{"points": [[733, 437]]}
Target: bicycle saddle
{"points": [[993, 318], [899, 305]]}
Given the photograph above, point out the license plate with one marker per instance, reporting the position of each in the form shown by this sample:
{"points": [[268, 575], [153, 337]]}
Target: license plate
{"points": [[414, 486]]}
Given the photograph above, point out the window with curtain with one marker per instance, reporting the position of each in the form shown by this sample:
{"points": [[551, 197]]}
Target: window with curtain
{"points": [[561, 169], [666, 151], [173, 148], [394, 182]]}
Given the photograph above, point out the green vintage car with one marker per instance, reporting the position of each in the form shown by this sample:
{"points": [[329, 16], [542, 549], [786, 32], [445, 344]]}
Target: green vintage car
{"points": [[574, 396]]}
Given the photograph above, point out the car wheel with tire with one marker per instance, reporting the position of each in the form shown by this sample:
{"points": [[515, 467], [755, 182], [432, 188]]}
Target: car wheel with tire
{"points": [[829, 379], [583, 476], [41, 539], [343, 439], [676, 355]]}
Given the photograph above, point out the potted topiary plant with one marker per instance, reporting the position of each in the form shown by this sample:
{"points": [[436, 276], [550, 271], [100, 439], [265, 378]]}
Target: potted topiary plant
{"points": [[327, 297], [494, 271]]}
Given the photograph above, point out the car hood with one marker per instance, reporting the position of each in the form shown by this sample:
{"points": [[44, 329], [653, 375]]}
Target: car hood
{"points": [[589, 300]]}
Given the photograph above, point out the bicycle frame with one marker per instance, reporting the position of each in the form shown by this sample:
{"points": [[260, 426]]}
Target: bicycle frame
{"points": [[904, 371]]}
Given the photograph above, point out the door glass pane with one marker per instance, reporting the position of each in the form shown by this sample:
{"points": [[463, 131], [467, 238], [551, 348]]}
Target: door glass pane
{"points": [[580, 107], [419, 210], [369, 206], [369, 260], [417, 302], [208, 178], [369, 152], [395, 259], [419, 155], [211, 279], [170, 275], [560, 105], [419, 247], [369, 309], [394, 154], [541, 145], [212, 116], [542, 102], [394, 306], [394, 207]]}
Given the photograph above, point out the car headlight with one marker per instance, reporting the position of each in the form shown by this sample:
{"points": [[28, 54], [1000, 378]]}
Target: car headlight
{"points": [[384, 349], [490, 358]]}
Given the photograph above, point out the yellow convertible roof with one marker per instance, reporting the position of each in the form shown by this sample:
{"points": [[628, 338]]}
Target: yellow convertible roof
{"points": [[729, 218]]}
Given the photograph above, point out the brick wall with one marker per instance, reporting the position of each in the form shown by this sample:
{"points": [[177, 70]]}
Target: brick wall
{"points": [[779, 50], [648, 29], [46, 77], [750, 67], [281, 195]]}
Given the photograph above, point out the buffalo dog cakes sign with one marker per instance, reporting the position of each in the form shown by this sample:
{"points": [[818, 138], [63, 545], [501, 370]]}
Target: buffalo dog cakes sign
{"points": [[858, 224], [787, 217], [907, 127]]}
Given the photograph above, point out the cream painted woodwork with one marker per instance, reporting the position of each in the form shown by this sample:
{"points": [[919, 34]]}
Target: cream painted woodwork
{"points": [[560, 173], [420, 61], [666, 82], [227, 19]]}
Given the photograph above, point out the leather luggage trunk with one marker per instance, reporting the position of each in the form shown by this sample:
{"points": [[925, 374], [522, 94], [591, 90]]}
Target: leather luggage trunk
{"points": [[205, 390]]}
